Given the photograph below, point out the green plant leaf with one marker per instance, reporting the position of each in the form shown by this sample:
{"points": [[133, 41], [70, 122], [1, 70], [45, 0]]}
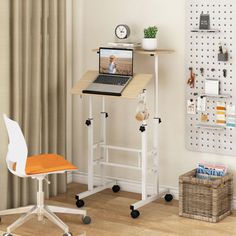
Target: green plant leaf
{"points": [[150, 32]]}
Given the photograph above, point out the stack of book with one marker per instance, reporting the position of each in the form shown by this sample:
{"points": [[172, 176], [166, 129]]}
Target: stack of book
{"points": [[210, 171]]}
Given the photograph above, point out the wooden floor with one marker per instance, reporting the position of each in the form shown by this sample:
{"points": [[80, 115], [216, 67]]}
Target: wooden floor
{"points": [[111, 217]]}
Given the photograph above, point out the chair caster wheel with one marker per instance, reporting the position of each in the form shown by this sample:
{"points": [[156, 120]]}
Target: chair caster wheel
{"points": [[79, 203], [168, 197], [7, 234], [86, 220], [116, 188], [68, 234], [135, 214]]}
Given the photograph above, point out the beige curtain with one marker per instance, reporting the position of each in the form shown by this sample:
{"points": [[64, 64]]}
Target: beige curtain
{"points": [[38, 86], [4, 94]]}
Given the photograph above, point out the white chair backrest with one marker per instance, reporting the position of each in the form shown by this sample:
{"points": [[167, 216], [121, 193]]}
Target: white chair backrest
{"points": [[17, 148]]}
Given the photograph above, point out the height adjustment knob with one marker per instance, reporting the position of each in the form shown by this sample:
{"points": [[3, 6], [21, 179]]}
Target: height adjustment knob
{"points": [[88, 122], [142, 128]]}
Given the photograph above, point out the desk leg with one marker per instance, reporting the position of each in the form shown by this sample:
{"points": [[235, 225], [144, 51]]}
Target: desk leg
{"points": [[105, 184], [146, 199], [90, 147], [157, 121], [144, 161], [104, 150]]}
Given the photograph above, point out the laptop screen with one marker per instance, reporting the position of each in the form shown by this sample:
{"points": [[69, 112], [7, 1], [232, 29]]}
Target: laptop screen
{"points": [[116, 61]]}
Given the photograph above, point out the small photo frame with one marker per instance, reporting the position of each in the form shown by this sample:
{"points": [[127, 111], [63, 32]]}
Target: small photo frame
{"points": [[212, 86], [191, 107], [204, 118], [204, 22]]}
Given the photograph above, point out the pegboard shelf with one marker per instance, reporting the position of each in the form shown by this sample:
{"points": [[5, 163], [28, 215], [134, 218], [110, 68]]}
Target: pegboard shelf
{"points": [[216, 96], [205, 31], [206, 55], [210, 127]]}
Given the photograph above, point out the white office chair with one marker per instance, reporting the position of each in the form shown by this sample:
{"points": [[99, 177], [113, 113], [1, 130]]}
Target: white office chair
{"points": [[36, 167]]}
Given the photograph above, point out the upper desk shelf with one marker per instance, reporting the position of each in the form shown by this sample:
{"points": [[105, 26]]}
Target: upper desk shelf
{"points": [[145, 52], [205, 31], [155, 52]]}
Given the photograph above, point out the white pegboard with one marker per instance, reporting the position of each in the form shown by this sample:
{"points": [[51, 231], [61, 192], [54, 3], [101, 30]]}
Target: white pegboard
{"points": [[202, 52]]}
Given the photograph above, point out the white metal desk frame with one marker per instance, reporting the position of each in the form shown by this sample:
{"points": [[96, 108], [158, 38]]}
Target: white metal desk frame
{"points": [[142, 154]]}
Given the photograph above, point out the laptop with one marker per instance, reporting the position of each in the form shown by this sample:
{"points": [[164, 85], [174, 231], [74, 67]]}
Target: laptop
{"points": [[115, 72]]}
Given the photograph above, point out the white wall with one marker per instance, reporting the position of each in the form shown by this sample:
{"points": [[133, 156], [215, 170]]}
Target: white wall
{"points": [[94, 26]]}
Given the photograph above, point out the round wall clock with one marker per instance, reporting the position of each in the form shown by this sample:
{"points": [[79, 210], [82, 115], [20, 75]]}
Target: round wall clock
{"points": [[122, 31]]}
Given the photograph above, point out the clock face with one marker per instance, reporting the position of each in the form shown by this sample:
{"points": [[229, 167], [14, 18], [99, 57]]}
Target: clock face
{"points": [[122, 31]]}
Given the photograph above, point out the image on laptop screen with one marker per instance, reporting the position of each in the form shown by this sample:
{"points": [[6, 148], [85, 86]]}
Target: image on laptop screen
{"points": [[116, 61]]}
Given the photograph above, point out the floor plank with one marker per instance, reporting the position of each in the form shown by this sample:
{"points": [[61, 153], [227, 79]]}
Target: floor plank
{"points": [[111, 217]]}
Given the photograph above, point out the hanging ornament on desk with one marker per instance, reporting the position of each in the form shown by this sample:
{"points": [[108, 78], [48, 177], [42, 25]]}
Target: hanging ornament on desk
{"points": [[191, 80], [142, 111]]}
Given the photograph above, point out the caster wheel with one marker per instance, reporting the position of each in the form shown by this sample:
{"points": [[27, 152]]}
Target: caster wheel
{"points": [[79, 203], [86, 220], [168, 197], [68, 234], [135, 214], [7, 234], [116, 188]]}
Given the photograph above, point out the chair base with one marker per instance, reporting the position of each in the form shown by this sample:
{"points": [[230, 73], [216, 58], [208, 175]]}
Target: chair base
{"points": [[41, 211]]}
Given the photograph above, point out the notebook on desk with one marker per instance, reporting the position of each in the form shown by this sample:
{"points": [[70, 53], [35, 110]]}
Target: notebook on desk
{"points": [[115, 72]]}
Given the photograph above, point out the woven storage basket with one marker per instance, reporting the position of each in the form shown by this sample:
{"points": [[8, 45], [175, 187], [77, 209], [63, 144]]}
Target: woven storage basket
{"points": [[208, 200]]}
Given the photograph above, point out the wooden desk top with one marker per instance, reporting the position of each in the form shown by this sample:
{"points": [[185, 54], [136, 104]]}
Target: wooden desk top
{"points": [[133, 89], [145, 52], [155, 52]]}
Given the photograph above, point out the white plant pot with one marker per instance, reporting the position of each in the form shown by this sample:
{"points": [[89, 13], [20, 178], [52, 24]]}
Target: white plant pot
{"points": [[149, 44]]}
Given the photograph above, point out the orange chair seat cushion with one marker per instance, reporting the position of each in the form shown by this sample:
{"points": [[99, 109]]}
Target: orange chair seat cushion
{"points": [[46, 163]]}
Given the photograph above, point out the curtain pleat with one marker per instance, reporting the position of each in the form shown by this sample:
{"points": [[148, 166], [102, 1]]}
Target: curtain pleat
{"points": [[45, 78], [61, 124], [5, 21], [38, 85], [26, 72], [53, 63], [34, 115], [16, 77]]}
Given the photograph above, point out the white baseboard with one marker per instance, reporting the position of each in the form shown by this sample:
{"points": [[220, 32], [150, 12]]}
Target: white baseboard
{"points": [[126, 185], [69, 177]]}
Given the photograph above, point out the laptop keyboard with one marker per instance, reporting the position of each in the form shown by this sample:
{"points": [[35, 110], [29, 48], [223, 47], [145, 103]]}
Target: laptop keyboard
{"points": [[113, 80]]}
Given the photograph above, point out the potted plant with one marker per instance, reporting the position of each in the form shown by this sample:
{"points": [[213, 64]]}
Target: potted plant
{"points": [[149, 41]]}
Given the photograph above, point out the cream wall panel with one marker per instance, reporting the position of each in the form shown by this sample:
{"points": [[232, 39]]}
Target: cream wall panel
{"points": [[96, 28]]}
